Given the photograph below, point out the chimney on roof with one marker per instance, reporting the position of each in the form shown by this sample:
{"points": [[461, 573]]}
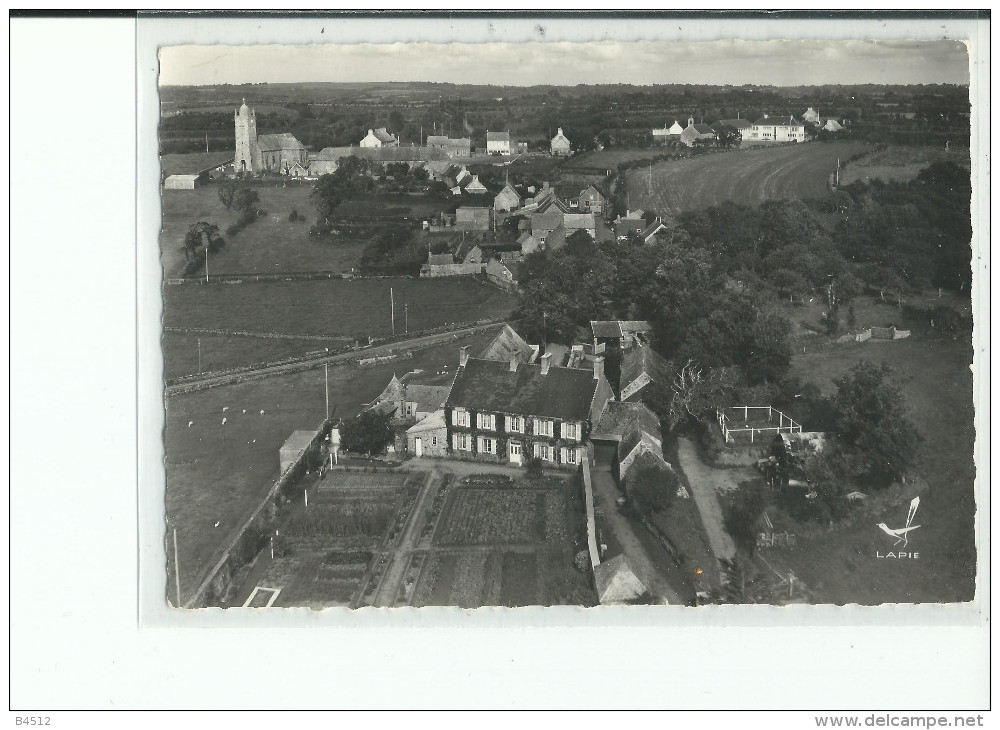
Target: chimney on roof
{"points": [[535, 349], [371, 131], [598, 368], [463, 356], [546, 359], [513, 363]]}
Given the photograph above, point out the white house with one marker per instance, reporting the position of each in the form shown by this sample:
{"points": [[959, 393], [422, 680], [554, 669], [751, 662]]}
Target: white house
{"points": [[811, 116], [379, 138], [776, 129], [498, 143]]}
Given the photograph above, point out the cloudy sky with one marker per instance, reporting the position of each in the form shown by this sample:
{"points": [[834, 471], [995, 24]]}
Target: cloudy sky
{"points": [[778, 62]]}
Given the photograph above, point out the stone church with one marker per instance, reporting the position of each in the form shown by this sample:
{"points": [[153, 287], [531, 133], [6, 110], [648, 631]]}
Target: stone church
{"points": [[280, 153]]}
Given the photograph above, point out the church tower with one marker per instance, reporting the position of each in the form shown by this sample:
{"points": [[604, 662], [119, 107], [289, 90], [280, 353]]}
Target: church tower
{"points": [[247, 152]]}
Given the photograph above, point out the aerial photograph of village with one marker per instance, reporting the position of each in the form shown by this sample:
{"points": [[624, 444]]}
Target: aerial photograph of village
{"points": [[609, 327]]}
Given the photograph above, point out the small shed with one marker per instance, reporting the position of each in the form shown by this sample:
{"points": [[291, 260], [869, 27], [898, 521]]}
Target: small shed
{"points": [[616, 582], [181, 182], [294, 447]]}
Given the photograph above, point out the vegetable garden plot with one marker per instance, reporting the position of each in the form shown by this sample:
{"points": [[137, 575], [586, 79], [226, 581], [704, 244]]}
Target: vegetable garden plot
{"points": [[519, 586], [493, 516], [343, 481]]}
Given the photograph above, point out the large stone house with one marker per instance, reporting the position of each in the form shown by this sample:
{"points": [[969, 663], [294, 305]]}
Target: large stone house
{"points": [[591, 200], [461, 147], [507, 199], [508, 412], [696, 133], [379, 138], [776, 129], [267, 152]]}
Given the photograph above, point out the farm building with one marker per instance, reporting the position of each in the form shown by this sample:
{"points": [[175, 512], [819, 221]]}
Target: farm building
{"points": [[811, 116], [667, 134], [326, 161], [641, 366], [428, 437], [507, 412], [740, 126], [617, 420], [619, 333], [617, 583], [648, 234], [631, 224], [832, 125], [293, 448], [529, 243], [410, 401], [776, 129], [379, 138], [507, 199], [498, 143], [474, 187], [202, 165], [574, 222], [181, 182], [500, 274], [560, 145]]}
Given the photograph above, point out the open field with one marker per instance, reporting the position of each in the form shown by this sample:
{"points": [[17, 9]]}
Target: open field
{"points": [[350, 308], [897, 163], [219, 352], [612, 157], [270, 245], [840, 566], [219, 473], [746, 176]]}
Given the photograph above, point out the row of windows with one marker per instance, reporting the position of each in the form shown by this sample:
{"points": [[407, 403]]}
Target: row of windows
{"points": [[515, 424], [487, 445]]}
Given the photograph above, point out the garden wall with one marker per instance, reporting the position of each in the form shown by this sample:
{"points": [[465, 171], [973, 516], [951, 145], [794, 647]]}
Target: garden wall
{"points": [[255, 532], [588, 496]]}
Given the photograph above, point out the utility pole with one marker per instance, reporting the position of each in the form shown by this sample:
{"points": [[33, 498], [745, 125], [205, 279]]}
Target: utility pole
{"points": [[199, 354], [406, 318], [392, 310], [206, 263], [177, 571], [649, 185], [326, 381]]}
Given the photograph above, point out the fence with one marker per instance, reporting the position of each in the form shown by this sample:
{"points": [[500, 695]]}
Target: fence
{"points": [[785, 423], [253, 535]]}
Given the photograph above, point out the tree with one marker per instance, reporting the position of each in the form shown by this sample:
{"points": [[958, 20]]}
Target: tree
{"points": [[651, 489], [246, 202], [199, 234], [227, 192], [367, 433], [744, 511], [871, 422], [698, 393]]}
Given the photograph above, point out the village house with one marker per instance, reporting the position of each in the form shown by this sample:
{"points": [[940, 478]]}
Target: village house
{"points": [[618, 333], [498, 143], [811, 116], [507, 412], [641, 366], [460, 147], [428, 437], [616, 582], [591, 200], [696, 133], [832, 125], [379, 138], [648, 234], [509, 345], [529, 243], [739, 126], [474, 187], [776, 129], [617, 420], [507, 199], [560, 145], [500, 274], [632, 223]]}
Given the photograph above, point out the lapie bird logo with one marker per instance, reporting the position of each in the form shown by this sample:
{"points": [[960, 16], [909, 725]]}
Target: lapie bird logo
{"points": [[901, 534]]}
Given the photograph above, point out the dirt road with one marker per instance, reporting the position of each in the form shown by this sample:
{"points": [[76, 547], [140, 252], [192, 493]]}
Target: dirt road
{"points": [[704, 482]]}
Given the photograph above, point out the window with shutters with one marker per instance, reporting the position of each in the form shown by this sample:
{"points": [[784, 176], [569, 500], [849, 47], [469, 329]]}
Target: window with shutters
{"points": [[462, 442], [460, 417], [487, 445], [571, 431], [570, 456], [486, 421], [543, 427], [515, 424]]}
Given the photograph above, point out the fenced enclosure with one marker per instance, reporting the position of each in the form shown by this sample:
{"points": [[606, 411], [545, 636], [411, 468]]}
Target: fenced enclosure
{"points": [[751, 424]]}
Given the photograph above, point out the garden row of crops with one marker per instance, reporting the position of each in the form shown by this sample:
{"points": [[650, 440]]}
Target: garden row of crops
{"points": [[493, 516]]}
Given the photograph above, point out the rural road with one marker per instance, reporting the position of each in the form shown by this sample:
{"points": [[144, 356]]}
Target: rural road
{"points": [[388, 589], [210, 380], [702, 481], [644, 566]]}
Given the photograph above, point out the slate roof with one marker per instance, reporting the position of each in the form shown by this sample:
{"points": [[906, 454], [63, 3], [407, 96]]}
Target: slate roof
{"points": [[778, 122], [606, 328], [616, 582], [642, 359], [194, 163], [578, 221], [498, 136], [439, 259], [733, 123], [427, 397], [507, 344], [283, 141], [488, 385], [619, 418], [383, 135], [625, 226], [704, 129]]}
